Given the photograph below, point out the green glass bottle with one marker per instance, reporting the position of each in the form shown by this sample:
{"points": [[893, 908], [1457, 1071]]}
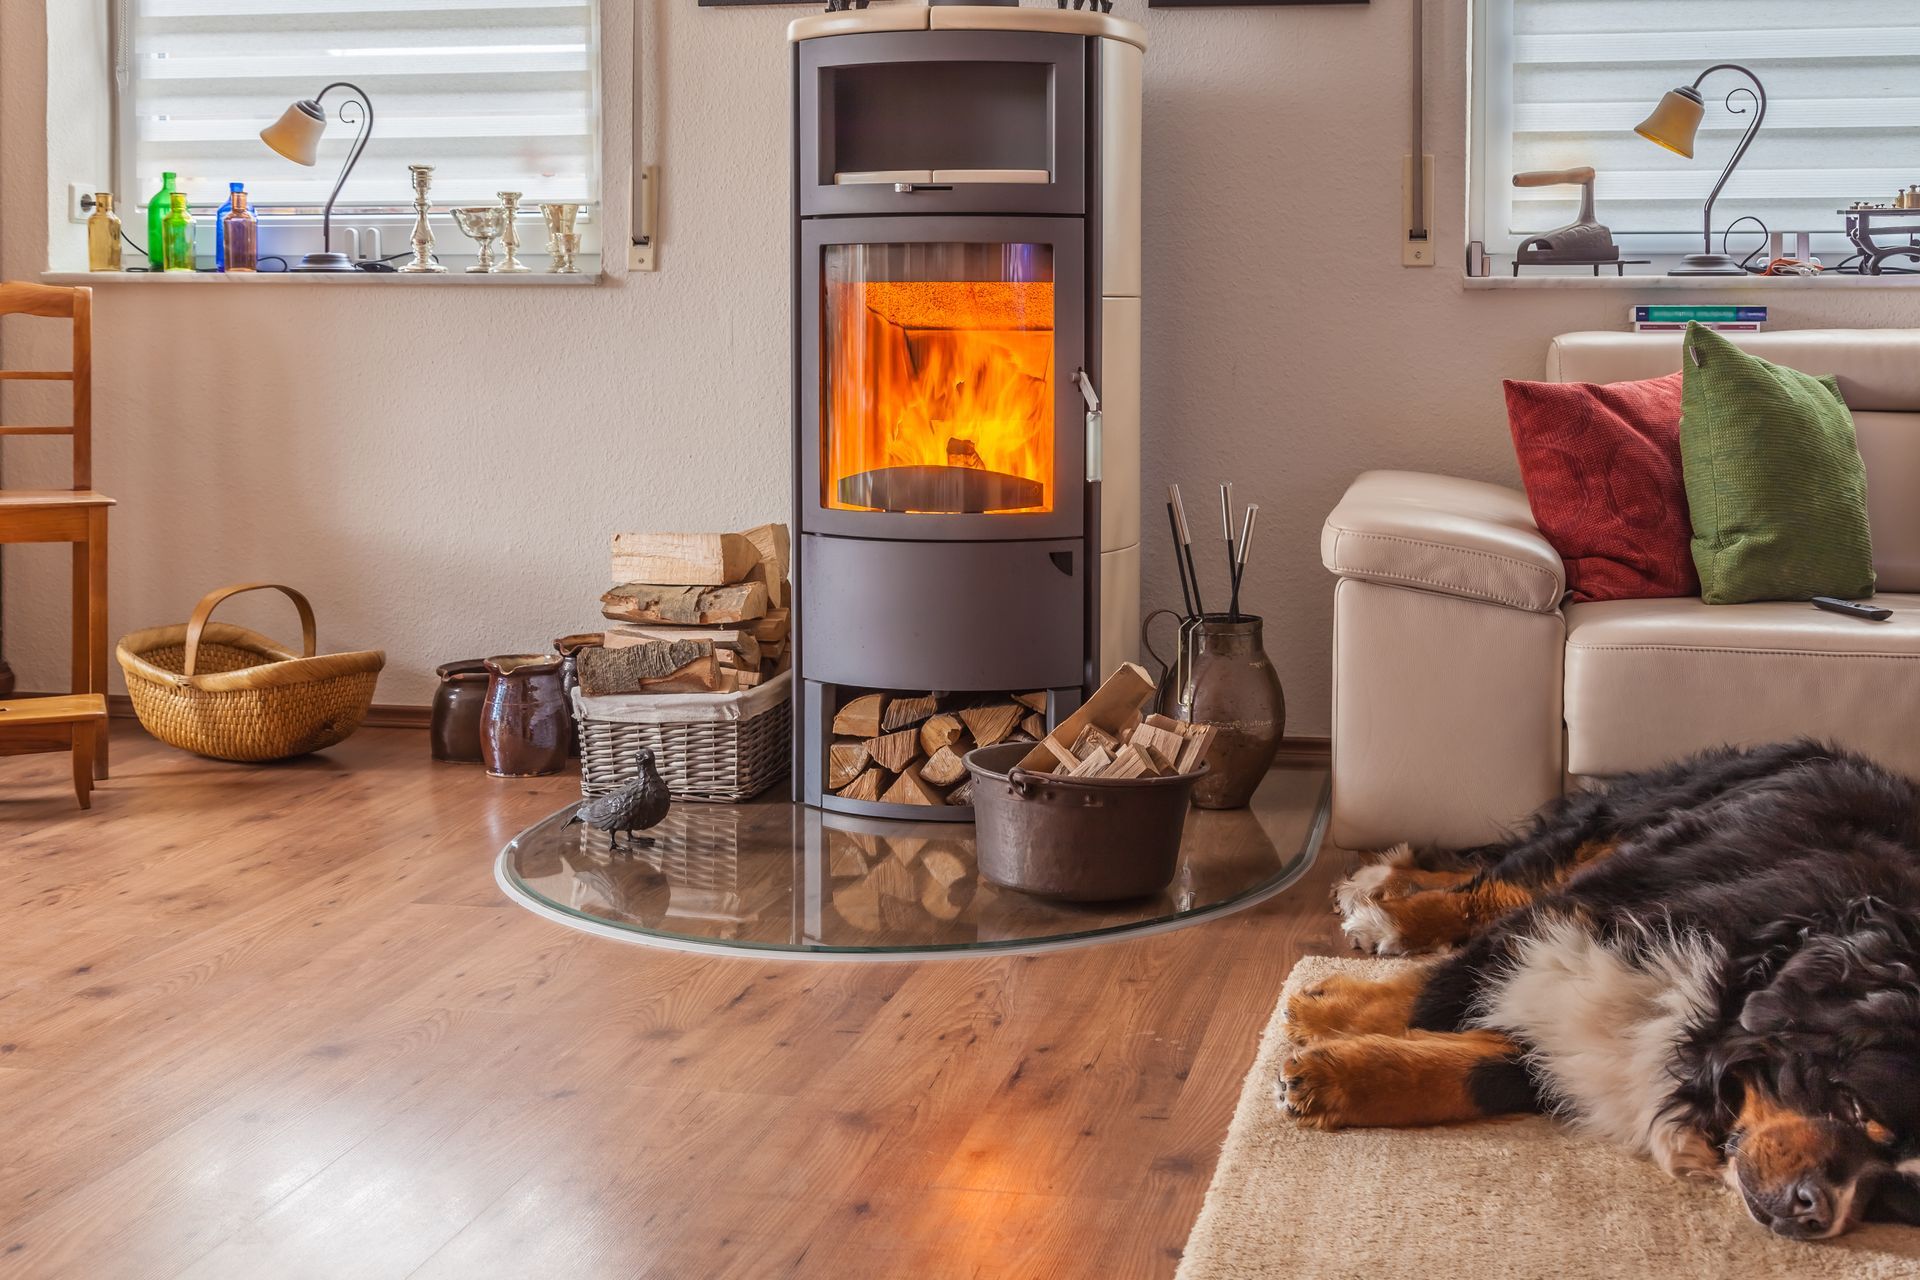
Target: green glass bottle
{"points": [[156, 224], [179, 235]]}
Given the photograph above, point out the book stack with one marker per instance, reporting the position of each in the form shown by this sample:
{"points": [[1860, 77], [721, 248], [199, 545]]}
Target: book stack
{"points": [[1676, 319]]}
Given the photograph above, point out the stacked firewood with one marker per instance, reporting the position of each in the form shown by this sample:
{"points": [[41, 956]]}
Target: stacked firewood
{"points": [[911, 748], [1109, 737], [693, 613]]}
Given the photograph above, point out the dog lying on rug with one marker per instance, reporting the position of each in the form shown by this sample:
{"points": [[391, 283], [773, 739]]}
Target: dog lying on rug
{"points": [[1716, 963]]}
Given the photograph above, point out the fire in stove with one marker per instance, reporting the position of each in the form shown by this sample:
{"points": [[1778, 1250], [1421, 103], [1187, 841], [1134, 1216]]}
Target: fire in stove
{"points": [[940, 396]]}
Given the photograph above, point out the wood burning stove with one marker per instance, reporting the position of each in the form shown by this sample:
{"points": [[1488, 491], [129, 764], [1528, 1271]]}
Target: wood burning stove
{"points": [[967, 280]]}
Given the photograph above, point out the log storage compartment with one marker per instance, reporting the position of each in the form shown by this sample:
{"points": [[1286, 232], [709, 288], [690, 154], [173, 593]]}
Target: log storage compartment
{"points": [[966, 287]]}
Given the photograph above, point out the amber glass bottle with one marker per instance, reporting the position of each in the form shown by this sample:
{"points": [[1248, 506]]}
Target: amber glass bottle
{"points": [[240, 234], [178, 235], [103, 235]]}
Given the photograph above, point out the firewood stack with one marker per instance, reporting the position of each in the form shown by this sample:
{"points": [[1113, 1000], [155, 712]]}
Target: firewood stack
{"points": [[1108, 737], [891, 884], [911, 748], [693, 613]]}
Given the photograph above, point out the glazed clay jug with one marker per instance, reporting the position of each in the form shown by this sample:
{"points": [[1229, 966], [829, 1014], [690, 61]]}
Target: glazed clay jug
{"points": [[527, 725], [458, 706], [1221, 676]]}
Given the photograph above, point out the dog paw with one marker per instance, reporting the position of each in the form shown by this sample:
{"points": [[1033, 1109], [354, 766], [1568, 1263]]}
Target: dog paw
{"points": [[1309, 1090], [1686, 1154], [1368, 884], [1369, 927]]}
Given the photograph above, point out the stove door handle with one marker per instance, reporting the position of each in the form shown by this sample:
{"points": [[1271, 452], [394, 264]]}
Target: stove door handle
{"points": [[1096, 426]]}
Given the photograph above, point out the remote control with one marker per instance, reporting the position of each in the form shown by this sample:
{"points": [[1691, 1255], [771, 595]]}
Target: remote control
{"points": [[1852, 608]]}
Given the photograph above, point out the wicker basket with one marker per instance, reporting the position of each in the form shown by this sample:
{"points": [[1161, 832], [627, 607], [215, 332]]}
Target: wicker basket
{"points": [[224, 691], [708, 746]]}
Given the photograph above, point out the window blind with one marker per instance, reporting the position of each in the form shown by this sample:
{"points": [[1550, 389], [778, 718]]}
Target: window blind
{"points": [[496, 94], [1843, 86]]}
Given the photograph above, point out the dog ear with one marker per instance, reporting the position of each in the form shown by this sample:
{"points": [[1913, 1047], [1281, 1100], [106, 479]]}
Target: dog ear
{"points": [[1896, 1199]]}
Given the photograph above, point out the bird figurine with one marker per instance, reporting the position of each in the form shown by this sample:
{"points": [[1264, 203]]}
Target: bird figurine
{"points": [[636, 806]]}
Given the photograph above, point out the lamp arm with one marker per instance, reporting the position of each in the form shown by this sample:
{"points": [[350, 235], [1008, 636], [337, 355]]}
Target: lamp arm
{"points": [[365, 103], [1759, 95]]}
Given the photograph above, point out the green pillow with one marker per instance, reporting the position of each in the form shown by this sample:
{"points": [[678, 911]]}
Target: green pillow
{"points": [[1775, 485]]}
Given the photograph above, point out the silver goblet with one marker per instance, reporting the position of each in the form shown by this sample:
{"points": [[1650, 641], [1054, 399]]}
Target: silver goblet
{"points": [[483, 225], [510, 234], [560, 220]]}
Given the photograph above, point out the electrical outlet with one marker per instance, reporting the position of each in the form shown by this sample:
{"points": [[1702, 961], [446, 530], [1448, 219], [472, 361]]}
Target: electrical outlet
{"points": [[1416, 252], [79, 201]]}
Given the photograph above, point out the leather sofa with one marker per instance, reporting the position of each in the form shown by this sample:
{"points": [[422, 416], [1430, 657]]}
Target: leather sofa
{"points": [[1466, 694]]}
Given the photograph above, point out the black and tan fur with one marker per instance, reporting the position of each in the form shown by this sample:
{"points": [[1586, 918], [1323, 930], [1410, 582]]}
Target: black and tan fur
{"points": [[1716, 963]]}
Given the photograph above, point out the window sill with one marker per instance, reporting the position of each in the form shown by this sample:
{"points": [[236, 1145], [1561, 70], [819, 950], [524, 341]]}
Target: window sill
{"points": [[456, 274], [1697, 284]]}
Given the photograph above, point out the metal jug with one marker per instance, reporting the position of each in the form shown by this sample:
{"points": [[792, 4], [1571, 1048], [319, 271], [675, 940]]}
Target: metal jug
{"points": [[1220, 675]]}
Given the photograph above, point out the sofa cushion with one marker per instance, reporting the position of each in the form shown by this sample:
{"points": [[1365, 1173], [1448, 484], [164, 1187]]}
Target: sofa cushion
{"points": [[1652, 680], [1601, 463], [1775, 484], [1438, 533]]}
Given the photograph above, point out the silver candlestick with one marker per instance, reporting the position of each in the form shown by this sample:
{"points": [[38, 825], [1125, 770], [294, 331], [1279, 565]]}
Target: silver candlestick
{"points": [[510, 239], [422, 230]]}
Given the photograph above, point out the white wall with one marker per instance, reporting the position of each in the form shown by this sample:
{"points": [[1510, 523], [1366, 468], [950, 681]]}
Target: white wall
{"points": [[440, 469]]}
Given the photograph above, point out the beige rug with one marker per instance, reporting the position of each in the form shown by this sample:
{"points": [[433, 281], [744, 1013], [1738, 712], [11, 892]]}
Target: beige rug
{"points": [[1509, 1198]]}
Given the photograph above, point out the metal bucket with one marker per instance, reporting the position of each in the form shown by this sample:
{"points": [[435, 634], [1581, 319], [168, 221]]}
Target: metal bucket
{"points": [[1076, 839]]}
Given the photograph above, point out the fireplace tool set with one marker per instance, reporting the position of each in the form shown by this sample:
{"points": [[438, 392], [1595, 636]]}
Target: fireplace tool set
{"points": [[1220, 675]]}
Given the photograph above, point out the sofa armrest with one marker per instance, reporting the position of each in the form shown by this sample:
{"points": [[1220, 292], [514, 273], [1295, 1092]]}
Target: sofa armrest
{"points": [[1446, 535]]}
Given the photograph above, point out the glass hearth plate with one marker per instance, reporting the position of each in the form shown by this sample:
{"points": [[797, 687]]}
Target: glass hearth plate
{"points": [[775, 877]]}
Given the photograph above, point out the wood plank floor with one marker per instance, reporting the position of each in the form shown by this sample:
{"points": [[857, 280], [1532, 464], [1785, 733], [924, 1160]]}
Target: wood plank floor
{"points": [[279, 1022]]}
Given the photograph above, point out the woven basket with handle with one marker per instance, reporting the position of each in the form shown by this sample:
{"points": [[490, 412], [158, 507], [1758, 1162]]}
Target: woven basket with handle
{"points": [[224, 691]]}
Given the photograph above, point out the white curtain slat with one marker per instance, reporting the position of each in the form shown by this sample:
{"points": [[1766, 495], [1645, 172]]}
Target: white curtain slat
{"points": [[1844, 105], [496, 94]]}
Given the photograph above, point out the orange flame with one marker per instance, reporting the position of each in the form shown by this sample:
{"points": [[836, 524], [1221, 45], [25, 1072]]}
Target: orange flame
{"points": [[937, 374]]}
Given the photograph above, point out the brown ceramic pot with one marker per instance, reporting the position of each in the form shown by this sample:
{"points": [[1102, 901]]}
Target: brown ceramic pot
{"points": [[458, 705], [569, 647], [1223, 678], [526, 728]]}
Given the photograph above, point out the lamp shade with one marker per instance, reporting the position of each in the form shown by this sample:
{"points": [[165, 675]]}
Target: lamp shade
{"points": [[296, 134], [1674, 122]]}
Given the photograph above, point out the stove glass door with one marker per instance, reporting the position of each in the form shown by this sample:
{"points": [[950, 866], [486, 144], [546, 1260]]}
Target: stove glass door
{"points": [[939, 378]]}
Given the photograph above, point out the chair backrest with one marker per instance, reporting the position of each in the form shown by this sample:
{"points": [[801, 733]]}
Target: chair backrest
{"points": [[55, 302], [1879, 375]]}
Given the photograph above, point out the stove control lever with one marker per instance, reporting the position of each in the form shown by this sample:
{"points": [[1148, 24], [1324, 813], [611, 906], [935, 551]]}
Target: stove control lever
{"points": [[1095, 424]]}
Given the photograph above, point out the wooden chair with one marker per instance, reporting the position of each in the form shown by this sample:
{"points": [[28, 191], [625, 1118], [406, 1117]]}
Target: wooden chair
{"points": [[76, 723]]}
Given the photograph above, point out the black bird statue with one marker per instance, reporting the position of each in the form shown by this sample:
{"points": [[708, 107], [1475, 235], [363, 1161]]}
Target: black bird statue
{"points": [[636, 806]]}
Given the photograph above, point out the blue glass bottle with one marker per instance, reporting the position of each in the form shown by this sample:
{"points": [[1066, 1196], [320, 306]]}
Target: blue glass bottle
{"points": [[220, 226]]}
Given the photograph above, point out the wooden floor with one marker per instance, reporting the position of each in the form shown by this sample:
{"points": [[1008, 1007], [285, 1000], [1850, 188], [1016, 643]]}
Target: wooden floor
{"points": [[278, 1022]]}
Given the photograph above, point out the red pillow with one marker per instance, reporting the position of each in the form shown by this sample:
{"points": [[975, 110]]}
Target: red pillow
{"points": [[1601, 464]]}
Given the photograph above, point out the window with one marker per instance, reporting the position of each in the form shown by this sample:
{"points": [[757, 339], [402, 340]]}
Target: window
{"points": [[496, 94], [1560, 83]]}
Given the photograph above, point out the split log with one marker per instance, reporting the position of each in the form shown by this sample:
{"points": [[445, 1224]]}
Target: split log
{"points": [[735, 640], [1094, 736], [961, 795], [774, 545], [939, 900], [1033, 701], [1093, 765], [893, 880], [843, 857], [905, 712], [684, 559], [747, 679], [661, 666], [845, 761], [943, 730], [687, 606], [1114, 706], [861, 717], [944, 767], [1034, 726], [895, 751], [1196, 748], [864, 787], [911, 788], [1062, 753], [772, 626], [991, 724]]}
